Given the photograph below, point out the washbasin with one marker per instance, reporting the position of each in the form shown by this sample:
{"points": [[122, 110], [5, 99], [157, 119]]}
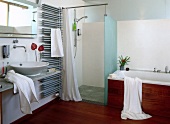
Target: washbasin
{"points": [[29, 68]]}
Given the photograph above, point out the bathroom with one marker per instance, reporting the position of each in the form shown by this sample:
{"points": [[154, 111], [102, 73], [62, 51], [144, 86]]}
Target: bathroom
{"points": [[130, 17]]}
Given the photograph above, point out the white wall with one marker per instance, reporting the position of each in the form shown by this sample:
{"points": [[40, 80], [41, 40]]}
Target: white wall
{"points": [[63, 3], [18, 55], [95, 14], [79, 14], [147, 42], [93, 54], [11, 102], [132, 9]]}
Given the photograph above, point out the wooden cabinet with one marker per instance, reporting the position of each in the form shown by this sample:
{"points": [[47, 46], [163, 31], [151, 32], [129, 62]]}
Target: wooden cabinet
{"points": [[155, 98], [115, 93], [1, 108]]}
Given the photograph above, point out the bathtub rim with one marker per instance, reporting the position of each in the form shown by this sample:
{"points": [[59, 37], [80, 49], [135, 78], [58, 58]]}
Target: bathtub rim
{"points": [[144, 81]]}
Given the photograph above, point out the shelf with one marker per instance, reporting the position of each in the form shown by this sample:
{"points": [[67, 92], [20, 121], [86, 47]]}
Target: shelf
{"points": [[17, 33]]}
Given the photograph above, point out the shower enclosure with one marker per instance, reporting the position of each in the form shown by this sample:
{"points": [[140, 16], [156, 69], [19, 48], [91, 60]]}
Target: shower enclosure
{"points": [[96, 56], [92, 89]]}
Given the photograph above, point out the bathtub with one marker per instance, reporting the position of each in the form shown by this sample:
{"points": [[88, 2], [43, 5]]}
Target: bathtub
{"points": [[148, 77], [155, 91]]}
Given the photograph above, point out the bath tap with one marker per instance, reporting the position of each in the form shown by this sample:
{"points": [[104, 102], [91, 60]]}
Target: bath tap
{"points": [[15, 46], [166, 69], [154, 70]]}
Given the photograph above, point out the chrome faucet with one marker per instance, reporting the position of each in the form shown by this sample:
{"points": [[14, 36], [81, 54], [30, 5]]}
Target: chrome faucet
{"points": [[166, 69], [154, 70], [15, 46]]}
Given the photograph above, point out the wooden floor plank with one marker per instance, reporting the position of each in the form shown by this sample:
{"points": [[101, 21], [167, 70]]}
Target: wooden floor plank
{"points": [[60, 112]]}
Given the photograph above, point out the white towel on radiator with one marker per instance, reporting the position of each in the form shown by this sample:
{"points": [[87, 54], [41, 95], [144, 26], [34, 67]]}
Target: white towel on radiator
{"points": [[56, 43], [133, 99], [26, 89]]}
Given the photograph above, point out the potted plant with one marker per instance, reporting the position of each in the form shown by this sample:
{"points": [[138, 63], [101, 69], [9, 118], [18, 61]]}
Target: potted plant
{"points": [[123, 61]]}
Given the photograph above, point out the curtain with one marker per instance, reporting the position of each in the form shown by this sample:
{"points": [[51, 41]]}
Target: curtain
{"points": [[70, 89]]}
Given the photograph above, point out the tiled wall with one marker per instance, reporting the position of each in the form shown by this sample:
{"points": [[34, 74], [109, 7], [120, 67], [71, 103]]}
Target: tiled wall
{"points": [[146, 42], [93, 54]]}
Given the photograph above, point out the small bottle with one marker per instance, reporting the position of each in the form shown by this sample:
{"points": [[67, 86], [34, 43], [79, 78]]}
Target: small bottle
{"points": [[127, 69], [3, 73], [166, 69], [74, 26], [3, 69], [6, 68]]}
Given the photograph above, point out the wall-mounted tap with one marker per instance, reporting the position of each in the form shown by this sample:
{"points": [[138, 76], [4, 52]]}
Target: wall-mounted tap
{"points": [[15, 41], [15, 46], [154, 70]]}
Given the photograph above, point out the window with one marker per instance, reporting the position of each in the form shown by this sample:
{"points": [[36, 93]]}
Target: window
{"points": [[14, 18], [9, 13], [3, 14]]}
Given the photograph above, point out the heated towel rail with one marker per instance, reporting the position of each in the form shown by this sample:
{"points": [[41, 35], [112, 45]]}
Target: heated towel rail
{"points": [[51, 17]]}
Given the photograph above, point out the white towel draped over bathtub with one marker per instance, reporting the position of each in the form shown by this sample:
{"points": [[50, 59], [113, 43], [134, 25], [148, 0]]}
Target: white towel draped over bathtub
{"points": [[26, 89], [133, 99]]}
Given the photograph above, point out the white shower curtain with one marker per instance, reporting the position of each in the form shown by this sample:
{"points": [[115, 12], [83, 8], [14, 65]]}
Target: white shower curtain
{"points": [[70, 85]]}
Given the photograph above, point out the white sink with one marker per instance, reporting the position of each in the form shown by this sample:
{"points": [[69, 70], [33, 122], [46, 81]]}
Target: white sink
{"points": [[30, 68]]}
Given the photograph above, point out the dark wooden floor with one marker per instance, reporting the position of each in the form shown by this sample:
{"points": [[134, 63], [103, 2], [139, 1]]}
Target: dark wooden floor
{"points": [[60, 112]]}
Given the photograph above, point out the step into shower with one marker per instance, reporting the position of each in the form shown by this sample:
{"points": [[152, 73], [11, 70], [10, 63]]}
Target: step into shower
{"points": [[92, 94]]}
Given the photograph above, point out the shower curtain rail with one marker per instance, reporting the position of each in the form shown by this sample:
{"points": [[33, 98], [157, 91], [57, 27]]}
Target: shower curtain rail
{"points": [[85, 6]]}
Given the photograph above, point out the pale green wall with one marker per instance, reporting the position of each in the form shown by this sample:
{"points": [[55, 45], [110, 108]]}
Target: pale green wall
{"points": [[110, 50]]}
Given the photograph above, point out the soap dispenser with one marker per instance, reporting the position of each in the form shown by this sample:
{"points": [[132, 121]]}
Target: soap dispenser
{"points": [[6, 51], [166, 69]]}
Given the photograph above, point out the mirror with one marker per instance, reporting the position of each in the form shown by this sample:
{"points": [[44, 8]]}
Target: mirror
{"points": [[19, 19]]}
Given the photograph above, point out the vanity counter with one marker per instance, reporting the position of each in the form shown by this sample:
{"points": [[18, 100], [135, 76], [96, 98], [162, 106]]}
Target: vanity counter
{"points": [[7, 86], [7, 93], [43, 75]]}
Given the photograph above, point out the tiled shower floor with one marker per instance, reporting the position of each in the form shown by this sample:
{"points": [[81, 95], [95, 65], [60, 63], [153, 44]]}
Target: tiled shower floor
{"points": [[92, 94]]}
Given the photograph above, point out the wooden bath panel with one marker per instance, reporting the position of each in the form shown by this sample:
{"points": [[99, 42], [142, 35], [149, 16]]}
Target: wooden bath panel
{"points": [[155, 98]]}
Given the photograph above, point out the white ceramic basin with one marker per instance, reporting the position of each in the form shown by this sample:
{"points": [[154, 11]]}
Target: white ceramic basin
{"points": [[30, 68]]}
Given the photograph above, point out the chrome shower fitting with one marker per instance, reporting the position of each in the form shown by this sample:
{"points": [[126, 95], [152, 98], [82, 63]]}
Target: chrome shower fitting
{"points": [[77, 20], [75, 31]]}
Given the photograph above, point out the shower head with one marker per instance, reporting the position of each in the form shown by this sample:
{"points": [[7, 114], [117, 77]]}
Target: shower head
{"points": [[82, 18]]}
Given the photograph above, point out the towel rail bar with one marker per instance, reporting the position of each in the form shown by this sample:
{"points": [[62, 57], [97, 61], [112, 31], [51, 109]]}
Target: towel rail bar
{"points": [[49, 8], [51, 17]]}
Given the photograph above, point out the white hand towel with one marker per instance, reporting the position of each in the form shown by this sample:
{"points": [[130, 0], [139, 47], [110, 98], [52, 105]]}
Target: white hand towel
{"points": [[56, 43], [26, 89], [113, 76], [132, 100]]}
